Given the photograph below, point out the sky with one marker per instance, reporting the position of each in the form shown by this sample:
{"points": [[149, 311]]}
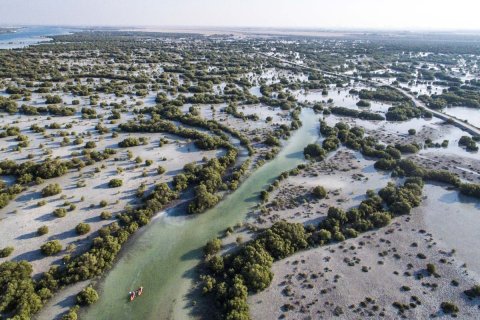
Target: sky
{"points": [[323, 14]]}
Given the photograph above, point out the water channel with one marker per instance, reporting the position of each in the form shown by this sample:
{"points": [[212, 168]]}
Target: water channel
{"points": [[162, 257]]}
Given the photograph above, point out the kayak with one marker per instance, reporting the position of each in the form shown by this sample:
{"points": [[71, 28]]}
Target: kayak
{"points": [[134, 294]]}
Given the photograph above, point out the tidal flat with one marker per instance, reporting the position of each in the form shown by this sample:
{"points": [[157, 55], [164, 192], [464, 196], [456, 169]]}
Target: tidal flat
{"points": [[239, 177]]}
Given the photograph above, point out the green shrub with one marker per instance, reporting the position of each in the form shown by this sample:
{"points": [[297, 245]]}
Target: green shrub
{"points": [[314, 151], [60, 212], [51, 247], [71, 314], [90, 145], [82, 228], [129, 142], [105, 215], [449, 307], [283, 239], [87, 296], [473, 292], [470, 189], [42, 230], [338, 236], [53, 99], [365, 115], [363, 103], [115, 183], [272, 141], [21, 302], [407, 148], [350, 233], [204, 199], [431, 268], [5, 252], [161, 170], [78, 141], [385, 164], [51, 190], [319, 192], [213, 246], [264, 195]]}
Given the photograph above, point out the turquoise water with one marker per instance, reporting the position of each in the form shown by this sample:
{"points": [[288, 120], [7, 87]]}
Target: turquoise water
{"points": [[162, 257]]}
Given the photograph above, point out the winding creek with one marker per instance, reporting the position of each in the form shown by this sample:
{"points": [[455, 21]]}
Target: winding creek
{"points": [[162, 257]]}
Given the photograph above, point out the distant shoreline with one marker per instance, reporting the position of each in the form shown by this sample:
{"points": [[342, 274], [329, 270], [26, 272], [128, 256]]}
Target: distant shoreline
{"points": [[4, 30], [301, 31]]}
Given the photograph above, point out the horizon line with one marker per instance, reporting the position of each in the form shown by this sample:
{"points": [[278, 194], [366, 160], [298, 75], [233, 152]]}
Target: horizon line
{"points": [[252, 27]]}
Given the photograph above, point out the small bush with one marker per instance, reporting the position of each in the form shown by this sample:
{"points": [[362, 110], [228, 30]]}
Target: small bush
{"points": [[41, 203], [42, 230], [60, 212], [105, 215], [129, 142], [72, 314], [82, 228], [51, 190], [213, 246], [363, 103], [314, 151], [160, 170], [5, 252], [272, 141], [103, 203], [51, 247], [264, 195], [449, 307], [431, 268], [87, 296], [90, 145], [473, 292], [319, 192], [115, 183]]}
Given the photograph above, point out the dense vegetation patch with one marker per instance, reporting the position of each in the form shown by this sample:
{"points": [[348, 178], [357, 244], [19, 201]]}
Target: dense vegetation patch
{"points": [[229, 278]]}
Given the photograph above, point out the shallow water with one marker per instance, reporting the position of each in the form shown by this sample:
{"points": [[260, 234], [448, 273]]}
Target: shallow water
{"points": [[472, 115], [454, 220], [341, 98], [255, 90], [162, 256], [26, 36]]}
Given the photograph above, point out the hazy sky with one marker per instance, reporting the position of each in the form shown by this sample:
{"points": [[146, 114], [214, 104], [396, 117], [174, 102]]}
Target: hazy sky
{"points": [[379, 14]]}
